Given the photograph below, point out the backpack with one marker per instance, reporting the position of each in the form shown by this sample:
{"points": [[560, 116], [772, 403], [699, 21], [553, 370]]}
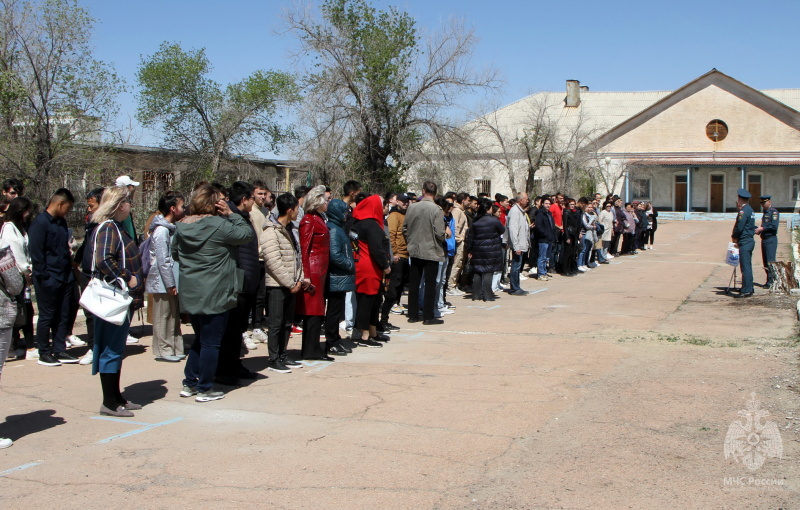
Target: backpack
{"points": [[144, 255]]}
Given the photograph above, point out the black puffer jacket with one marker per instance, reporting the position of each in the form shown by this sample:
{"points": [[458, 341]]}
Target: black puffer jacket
{"points": [[484, 242], [247, 256]]}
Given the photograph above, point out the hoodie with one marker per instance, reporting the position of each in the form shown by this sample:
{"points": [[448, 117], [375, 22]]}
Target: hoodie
{"points": [[372, 254], [161, 273]]}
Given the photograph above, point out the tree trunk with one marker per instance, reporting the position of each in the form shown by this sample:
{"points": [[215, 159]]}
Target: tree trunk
{"points": [[782, 277]]}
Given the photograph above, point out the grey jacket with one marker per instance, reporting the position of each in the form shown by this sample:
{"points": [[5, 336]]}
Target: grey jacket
{"points": [[424, 230], [519, 233], [11, 281], [161, 275]]}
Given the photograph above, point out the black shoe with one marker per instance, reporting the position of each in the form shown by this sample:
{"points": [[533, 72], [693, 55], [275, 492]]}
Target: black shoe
{"points": [[243, 373], [227, 380], [386, 327], [277, 366], [63, 358], [326, 358], [519, 292], [745, 295], [348, 344], [432, 322], [411, 321], [369, 342], [380, 337], [48, 360], [337, 350], [289, 362]]}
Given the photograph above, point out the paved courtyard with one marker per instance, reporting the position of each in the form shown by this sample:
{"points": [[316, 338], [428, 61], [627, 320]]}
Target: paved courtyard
{"points": [[613, 389]]}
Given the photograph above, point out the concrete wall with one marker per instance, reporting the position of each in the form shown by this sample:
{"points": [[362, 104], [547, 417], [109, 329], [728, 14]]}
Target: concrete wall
{"points": [[682, 128]]}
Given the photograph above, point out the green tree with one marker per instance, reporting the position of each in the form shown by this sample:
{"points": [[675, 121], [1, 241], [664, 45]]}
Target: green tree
{"points": [[54, 96], [380, 82], [214, 121]]}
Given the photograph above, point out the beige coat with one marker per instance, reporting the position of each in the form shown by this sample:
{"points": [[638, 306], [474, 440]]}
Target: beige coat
{"points": [[461, 223], [282, 261]]}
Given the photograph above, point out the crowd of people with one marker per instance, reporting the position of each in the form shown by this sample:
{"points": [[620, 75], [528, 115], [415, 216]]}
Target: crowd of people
{"points": [[245, 266]]}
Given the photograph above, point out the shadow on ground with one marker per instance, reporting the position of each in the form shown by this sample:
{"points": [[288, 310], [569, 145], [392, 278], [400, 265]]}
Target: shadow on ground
{"points": [[20, 425]]}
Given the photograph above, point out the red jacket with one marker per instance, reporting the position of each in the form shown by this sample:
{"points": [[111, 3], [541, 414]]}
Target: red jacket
{"points": [[373, 245], [315, 248]]}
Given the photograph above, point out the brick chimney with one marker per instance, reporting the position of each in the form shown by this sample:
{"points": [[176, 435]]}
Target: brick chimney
{"points": [[573, 94]]}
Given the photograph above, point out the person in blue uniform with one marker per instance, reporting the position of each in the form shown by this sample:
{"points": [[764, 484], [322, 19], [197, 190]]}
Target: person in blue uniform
{"points": [[742, 236], [769, 235]]}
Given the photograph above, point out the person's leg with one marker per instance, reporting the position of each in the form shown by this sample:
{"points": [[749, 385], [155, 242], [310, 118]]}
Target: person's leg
{"points": [[229, 364], [275, 321], [652, 232], [63, 310], [544, 256], [161, 331], [772, 253], [477, 286], [516, 265], [191, 371], [455, 269], [5, 346], [110, 348], [448, 273], [46, 302], [581, 254], [415, 277], [430, 272], [441, 278], [486, 285], [312, 348], [350, 309], [390, 299], [212, 331], [261, 300], [746, 263], [333, 315], [496, 282], [174, 325]]}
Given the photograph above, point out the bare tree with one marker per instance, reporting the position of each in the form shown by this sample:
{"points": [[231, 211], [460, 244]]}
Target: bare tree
{"points": [[54, 96], [386, 85]]}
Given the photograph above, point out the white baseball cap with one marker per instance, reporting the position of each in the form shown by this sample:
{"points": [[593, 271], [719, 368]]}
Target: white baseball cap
{"points": [[125, 180]]}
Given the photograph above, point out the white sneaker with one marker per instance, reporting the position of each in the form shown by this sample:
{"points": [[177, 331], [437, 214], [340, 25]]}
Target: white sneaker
{"points": [[250, 344], [523, 277], [87, 358], [132, 340], [74, 341], [503, 286], [5, 442], [533, 271], [258, 335], [445, 311], [583, 269], [32, 354], [455, 292], [609, 256]]}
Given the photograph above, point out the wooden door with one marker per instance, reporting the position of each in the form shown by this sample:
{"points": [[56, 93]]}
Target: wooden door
{"points": [[680, 193], [754, 187], [717, 194]]}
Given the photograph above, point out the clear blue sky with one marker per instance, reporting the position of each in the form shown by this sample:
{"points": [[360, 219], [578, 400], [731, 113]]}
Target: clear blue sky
{"points": [[536, 45]]}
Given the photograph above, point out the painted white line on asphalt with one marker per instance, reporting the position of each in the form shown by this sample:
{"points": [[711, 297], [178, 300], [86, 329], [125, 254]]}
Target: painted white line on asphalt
{"points": [[148, 426], [537, 291], [18, 468]]}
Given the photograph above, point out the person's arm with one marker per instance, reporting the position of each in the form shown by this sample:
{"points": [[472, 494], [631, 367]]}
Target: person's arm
{"points": [[376, 250], [771, 228], [339, 256], [16, 241], [236, 230], [160, 245], [37, 241], [739, 226], [12, 278], [438, 225]]}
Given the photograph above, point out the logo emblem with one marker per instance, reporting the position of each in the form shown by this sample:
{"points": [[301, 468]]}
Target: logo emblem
{"points": [[754, 439]]}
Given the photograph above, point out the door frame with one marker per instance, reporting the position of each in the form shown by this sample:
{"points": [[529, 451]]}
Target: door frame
{"points": [[675, 192], [747, 183]]}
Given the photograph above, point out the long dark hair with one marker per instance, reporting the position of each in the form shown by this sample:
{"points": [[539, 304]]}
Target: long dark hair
{"points": [[484, 207], [16, 212]]}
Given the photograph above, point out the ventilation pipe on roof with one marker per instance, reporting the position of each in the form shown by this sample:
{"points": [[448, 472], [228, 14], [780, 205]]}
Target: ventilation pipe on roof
{"points": [[584, 88], [573, 93]]}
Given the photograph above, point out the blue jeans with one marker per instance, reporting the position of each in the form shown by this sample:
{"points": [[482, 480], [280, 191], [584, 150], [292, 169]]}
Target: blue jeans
{"points": [[201, 365], [441, 278], [544, 257], [513, 275], [583, 256]]}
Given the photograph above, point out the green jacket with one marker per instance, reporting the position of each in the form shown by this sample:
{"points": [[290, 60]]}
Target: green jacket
{"points": [[204, 247]]}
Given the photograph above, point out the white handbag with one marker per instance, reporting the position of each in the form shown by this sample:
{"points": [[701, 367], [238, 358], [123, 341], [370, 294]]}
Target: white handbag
{"points": [[103, 299]]}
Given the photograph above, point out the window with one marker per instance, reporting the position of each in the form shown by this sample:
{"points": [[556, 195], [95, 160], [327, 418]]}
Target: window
{"points": [[716, 130], [795, 187], [157, 181], [483, 186], [640, 189]]}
